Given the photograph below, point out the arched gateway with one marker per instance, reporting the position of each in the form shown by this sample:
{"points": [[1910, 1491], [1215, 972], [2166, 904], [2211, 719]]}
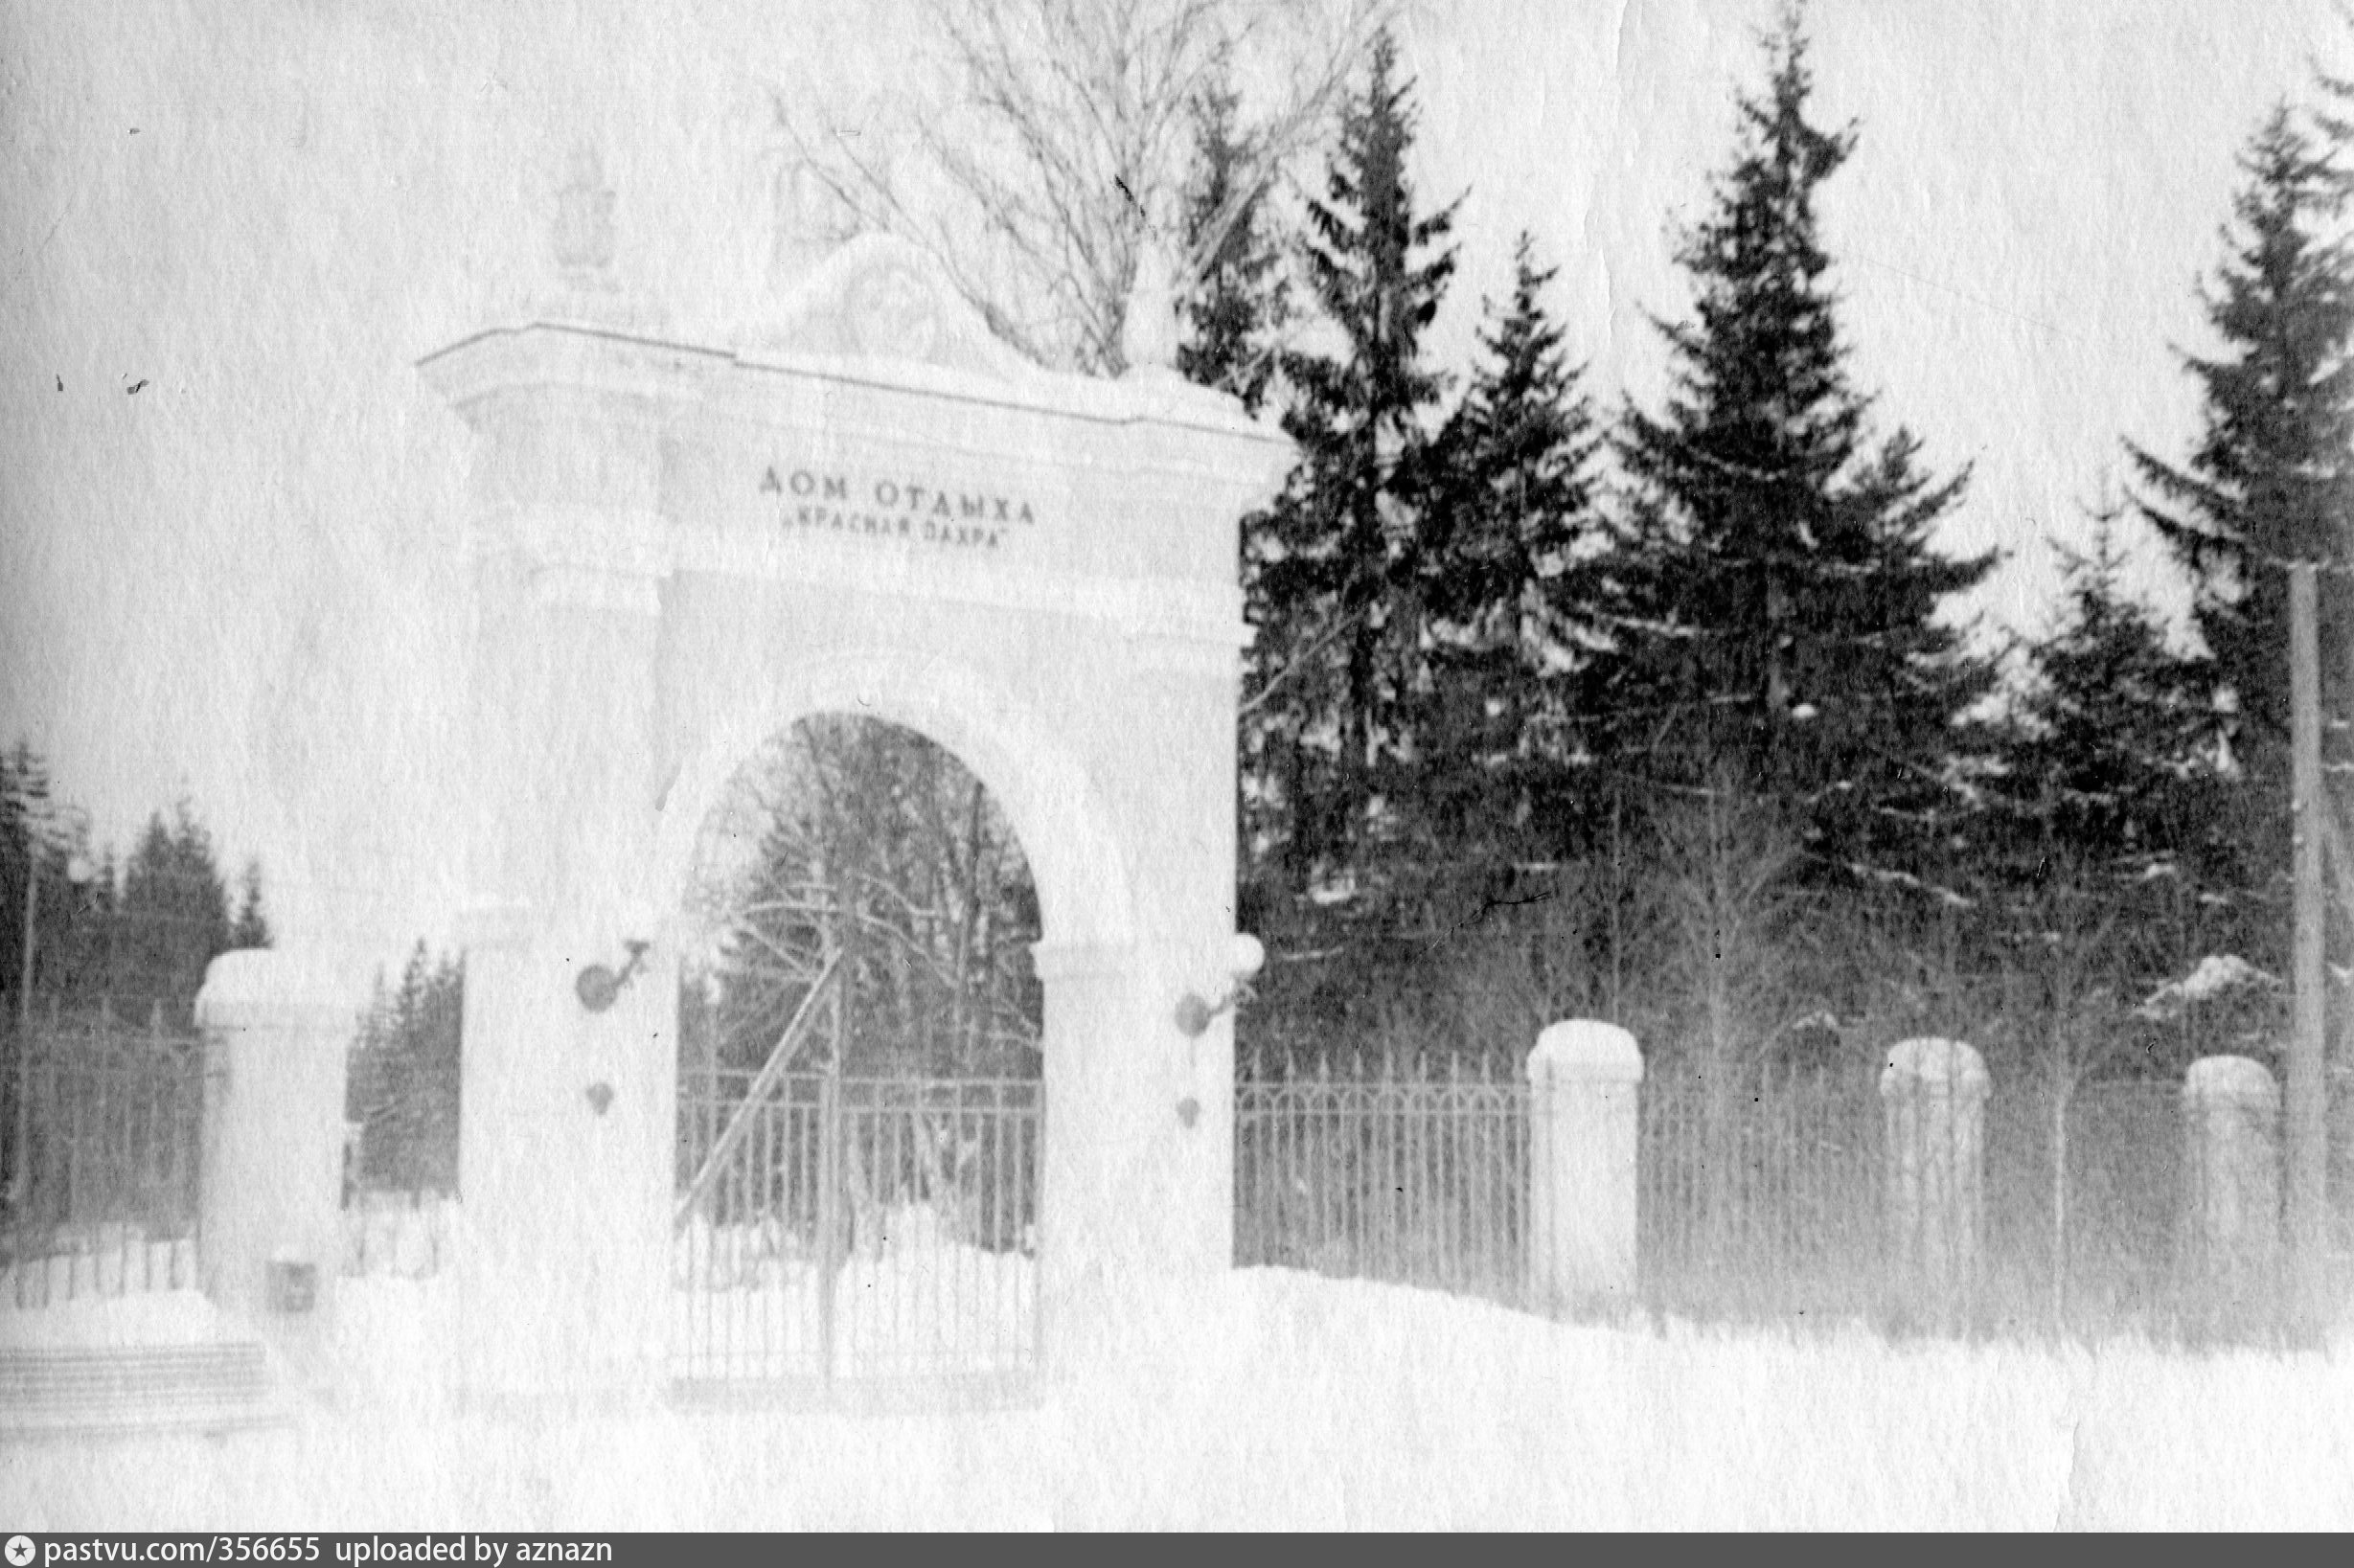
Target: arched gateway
{"points": [[678, 551]]}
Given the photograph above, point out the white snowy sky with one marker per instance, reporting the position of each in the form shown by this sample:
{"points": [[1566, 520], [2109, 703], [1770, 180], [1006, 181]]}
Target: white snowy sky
{"points": [[233, 582]]}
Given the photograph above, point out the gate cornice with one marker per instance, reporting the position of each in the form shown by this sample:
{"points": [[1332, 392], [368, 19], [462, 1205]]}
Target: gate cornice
{"points": [[609, 464]]}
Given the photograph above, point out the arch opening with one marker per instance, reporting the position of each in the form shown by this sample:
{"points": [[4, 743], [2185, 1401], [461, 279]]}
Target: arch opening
{"points": [[1079, 873], [852, 834], [860, 1042]]}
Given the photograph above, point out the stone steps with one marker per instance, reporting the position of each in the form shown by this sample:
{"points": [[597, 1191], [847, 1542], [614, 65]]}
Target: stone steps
{"points": [[200, 1387]]}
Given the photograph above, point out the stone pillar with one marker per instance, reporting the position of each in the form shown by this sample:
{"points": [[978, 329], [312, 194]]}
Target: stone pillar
{"points": [[568, 1149], [1583, 1079], [1198, 1091], [1933, 1096], [568, 1128], [278, 1030], [1106, 1173], [2231, 1127]]}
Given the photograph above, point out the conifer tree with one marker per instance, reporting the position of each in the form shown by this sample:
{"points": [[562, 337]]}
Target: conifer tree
{"points": [[252, 927], [173, 917], [135, 935], [404, 1086], [91, 936], [1330, 569], [2271, 479], [27, 856], [1241, 299], [1784, 588], [2112, 846], [1505, 583], [2112, 756]]}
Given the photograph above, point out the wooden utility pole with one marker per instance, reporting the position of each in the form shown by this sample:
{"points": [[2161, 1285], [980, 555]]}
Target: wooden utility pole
{"points": [[2307, 1090]]}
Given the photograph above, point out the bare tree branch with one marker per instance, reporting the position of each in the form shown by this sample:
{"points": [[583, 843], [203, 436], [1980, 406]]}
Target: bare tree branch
{"points": [[1050, 151], [848, 832]]}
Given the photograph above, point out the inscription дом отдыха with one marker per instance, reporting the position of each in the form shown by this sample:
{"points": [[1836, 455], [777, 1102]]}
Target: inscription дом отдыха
{"points": [[894, 509]]}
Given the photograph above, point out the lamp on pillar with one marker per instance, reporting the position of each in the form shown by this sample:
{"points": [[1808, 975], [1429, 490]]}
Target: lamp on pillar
{"points": [[598, 988], [1245, 956]]}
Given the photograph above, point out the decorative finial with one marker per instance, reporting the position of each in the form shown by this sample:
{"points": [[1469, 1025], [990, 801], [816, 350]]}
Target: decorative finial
{"points": [[892, 312], [813, 221], [583, 230], [1149, 332]]}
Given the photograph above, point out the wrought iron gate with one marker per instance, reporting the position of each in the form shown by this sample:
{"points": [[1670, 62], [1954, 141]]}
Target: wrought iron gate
{"points": [[834, 1228]]}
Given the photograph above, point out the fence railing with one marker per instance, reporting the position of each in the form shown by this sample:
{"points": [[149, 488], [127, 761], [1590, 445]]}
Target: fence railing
{"points": [[103, 1120], [2086, 1206], [1412, 1172], [1762, 1195], [397, 1234]]}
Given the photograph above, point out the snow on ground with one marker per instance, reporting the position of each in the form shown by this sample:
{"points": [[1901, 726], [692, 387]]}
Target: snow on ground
{"points": [[920, 1298], [1270, 1398], [141, 1318], [971, 1307]]}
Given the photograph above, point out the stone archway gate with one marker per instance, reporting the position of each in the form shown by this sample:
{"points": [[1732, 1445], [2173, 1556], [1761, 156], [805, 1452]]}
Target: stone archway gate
{"points": [[869, 506]]}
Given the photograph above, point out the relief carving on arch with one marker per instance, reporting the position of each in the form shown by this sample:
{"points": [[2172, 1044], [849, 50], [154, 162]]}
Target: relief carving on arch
{"points": [[880, 297]]}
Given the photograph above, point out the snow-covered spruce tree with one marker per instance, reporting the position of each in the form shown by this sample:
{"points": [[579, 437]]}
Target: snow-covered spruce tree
{"points": [[1782, 579], [252, 928], [44, 838], [1329, 568], [1503, 585], [2109, 796], [2271, 479], [1234, 310], [28, 856], [2115, 738], [171, 920], [404, 1079]]}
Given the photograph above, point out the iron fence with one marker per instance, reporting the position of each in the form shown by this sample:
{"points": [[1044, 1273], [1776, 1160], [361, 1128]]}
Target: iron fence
{"points": [[1758, 1193], [2087, 1204], [1761, 1195], [1768, 1196], [103, 1120], [1413, 1171], [848, 1227], [397, 1234]]}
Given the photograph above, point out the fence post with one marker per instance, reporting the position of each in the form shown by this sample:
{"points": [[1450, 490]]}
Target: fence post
{"points": [[270, 1204], [2232, 1127], [1583, 1076], [1933, 1095]]}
